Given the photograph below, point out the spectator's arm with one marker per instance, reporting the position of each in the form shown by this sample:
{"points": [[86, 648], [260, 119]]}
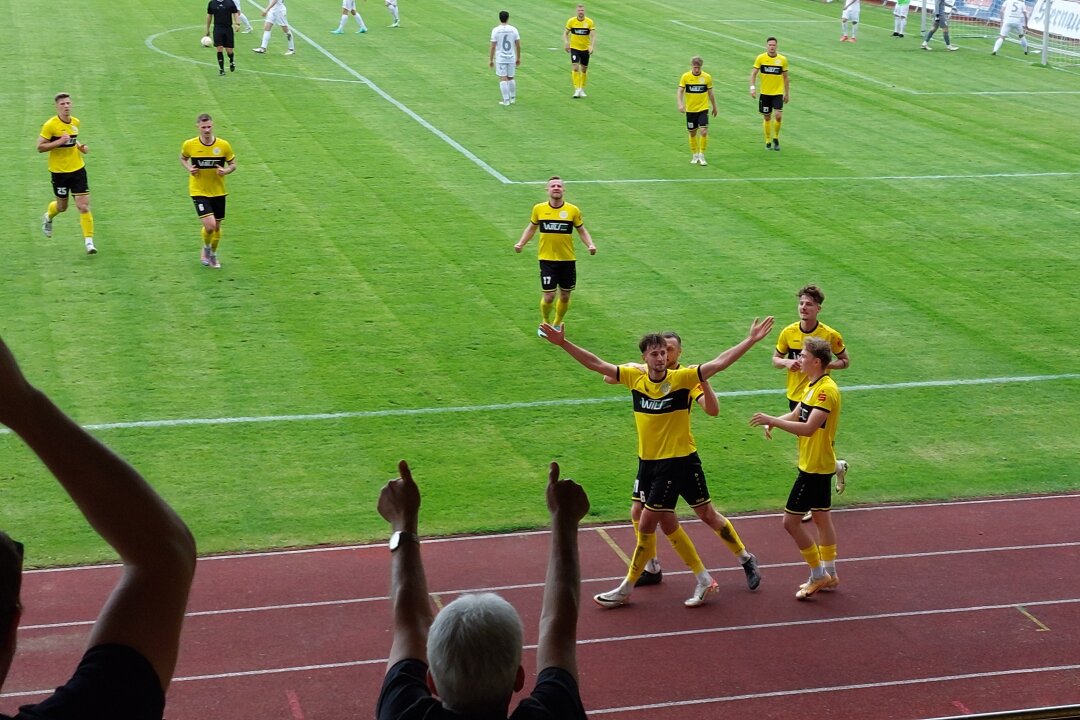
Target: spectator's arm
{"points": [[557, 646], [146, 608], [399, 504]]}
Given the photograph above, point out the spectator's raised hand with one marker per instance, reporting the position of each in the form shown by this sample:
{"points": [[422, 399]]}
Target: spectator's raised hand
{"points": [[565, 497], [399, 501]]}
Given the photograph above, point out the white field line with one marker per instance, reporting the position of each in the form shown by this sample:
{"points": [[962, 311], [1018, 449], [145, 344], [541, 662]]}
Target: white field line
{"points": [[700, 631], [400, 106], [407, 412], [535, 585], [835, 688], [806, 178]]}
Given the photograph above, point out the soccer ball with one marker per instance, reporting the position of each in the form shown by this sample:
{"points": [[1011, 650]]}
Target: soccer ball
{"points": [[206, 41]]}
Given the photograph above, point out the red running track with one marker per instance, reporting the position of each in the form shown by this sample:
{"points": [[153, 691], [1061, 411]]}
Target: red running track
{"points": [[944, 609]]}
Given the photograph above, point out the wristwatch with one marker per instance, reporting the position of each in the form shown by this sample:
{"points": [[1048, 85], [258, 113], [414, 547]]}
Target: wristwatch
{"points": [[399, 536]]}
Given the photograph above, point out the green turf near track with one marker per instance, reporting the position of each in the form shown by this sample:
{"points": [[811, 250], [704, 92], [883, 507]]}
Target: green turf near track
{"points": [[367, 262]]}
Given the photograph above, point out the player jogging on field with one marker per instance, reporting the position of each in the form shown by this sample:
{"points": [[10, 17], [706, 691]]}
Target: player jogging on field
{"points": [[775, 91]]}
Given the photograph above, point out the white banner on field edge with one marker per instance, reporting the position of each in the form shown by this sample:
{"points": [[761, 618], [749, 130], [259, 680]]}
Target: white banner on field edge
{"points": [[1064, 18]]}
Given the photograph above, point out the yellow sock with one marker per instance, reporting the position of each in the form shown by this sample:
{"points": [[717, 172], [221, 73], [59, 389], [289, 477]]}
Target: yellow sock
{"points": [[703, 143], [643, 552], [53, 211], [684, 546], [776, 129], [584, 79], [545, 310], [693, 144], [812, 556], [731, 538], [215, 238], [828, 553], [205, 235], [86, 221], [561, 306], [767, 124], [577, 82]]}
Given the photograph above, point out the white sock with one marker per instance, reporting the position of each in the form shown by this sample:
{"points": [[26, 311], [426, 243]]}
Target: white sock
{"points": [[997, 44], [341, 25], [744, 555], [266, 39], [854, 29], [903, 24], [289, 38], [393, 12], [513, 88], [703, 578], [359, 21], [653, 566], [244, 21], [504, 90], [829, 568], [817, 573]]}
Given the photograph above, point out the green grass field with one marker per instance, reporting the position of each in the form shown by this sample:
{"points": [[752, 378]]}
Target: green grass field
{"points": [[368, 265]]}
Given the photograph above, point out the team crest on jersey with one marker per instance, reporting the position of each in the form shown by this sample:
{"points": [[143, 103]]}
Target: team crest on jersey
{"points": [[821, 397], [563, 214], [217, 151], [665, 387]]}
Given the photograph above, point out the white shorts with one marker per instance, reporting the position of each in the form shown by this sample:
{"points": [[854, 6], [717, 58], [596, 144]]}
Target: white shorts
{"points": [[1016, 26], [348, 4], [851, 14], [504, 69], [901, 10], [277, 15], [391, 3]]}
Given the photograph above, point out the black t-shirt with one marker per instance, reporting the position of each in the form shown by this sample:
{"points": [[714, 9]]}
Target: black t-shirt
{"points": [[222, 10], [112, 682], [405, 696]]}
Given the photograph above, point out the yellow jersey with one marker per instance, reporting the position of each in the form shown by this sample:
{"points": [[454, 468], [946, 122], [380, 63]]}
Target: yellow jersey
{"points": [[208, 158], [580, 33], [790, 344], [556, 229], [771, 71], [696, 89], [816, 451], [662, 410], [65, 158]]}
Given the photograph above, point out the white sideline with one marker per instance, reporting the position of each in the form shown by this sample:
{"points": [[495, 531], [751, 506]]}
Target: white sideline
{"points": [[400, 412], [806, 178]]}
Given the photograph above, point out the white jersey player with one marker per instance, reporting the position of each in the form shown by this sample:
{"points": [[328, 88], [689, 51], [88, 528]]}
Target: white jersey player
{"points": [[348, 7], [1014, 16], [505, 56], [275, 15], [391, 5], [849, 17]]}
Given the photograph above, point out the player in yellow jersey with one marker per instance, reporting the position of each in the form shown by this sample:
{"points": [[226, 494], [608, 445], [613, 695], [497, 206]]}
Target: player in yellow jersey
{"points": [[704, 396], [208, 159], [775, 90], [787, 357], [60, 138], [815, 421], [579, 39], [667, 464], [695, 97], [556, 220]]}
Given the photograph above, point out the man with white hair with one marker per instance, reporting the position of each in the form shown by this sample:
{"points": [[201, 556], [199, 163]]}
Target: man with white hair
{"points": [[467, 662]]}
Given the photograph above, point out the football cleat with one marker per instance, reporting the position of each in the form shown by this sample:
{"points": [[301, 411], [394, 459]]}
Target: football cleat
{"points": [[46, 225], [260, 50]]}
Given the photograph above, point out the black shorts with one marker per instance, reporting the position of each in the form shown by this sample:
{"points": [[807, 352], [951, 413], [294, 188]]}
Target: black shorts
{"points": [[223, 37], [767, 103], [560, 274], [579, 57], [70, 183], [811, 491], [660, 483], [695, 120], [209, 206]]}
